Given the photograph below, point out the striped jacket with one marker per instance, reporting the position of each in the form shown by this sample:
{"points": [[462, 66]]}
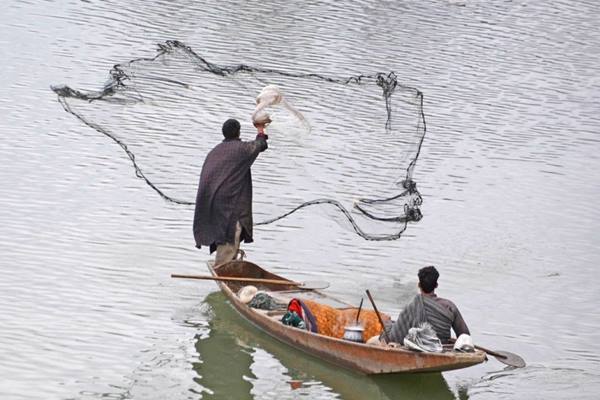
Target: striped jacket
{"points": [[442, 314]]}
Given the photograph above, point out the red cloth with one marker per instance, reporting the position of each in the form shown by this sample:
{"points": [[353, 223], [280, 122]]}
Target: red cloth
{"points": [[294, 305]]}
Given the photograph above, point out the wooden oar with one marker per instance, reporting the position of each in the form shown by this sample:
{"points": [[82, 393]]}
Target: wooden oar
{"points": [[359, 309], [300, 285], [387, 338], [505, 357]]}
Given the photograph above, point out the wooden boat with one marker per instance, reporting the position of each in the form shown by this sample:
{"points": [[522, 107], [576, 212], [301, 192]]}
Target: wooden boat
{"points": [[359, 357]]}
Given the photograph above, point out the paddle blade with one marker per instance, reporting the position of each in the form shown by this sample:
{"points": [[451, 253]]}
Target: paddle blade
{"points": [[511, 359], [313, 285]]}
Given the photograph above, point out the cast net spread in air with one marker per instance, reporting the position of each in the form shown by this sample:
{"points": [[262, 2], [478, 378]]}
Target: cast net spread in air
{"points": [[352, 158]]}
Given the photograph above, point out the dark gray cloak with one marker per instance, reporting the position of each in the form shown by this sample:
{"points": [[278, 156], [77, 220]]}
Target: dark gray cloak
{"points": [[225, 192]]}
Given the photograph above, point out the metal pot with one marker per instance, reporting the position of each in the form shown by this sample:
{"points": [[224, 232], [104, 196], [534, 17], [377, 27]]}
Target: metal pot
{"points": [[354, 333]]}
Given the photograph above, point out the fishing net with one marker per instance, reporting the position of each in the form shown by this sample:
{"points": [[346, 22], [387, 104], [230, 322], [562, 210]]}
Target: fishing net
{"points": [[351, 156]]}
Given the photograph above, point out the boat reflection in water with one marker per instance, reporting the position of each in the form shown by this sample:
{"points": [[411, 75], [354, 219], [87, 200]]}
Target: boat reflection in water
{"points": [[238, 361]]}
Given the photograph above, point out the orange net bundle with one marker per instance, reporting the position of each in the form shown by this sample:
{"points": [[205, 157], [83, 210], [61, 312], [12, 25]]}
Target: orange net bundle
{"points": [[332, 321]]}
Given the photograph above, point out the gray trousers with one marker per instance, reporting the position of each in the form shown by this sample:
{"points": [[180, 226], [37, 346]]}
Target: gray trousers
{"points": [[228, 251]]}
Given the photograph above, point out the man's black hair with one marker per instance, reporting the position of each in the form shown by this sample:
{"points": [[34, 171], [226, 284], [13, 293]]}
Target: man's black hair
{"points": [[428, 277], [231, 129]]}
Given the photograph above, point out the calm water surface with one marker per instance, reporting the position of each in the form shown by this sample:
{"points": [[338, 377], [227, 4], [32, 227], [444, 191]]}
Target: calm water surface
{"points": [[508, 174]]}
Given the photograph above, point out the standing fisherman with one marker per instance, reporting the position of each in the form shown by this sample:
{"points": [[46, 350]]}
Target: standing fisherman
{"points": [[223, 215]]}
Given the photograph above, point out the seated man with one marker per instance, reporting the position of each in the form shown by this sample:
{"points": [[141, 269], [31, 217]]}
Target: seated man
{"points": [[442, 314]]}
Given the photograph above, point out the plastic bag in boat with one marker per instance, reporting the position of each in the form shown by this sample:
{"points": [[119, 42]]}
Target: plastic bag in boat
{"points": [[423, 338], [247, 293], [464, 343]]}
